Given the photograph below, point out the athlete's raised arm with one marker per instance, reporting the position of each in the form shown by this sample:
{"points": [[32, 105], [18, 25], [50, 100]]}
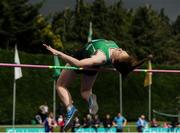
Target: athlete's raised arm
{"points": [[97, 59]]}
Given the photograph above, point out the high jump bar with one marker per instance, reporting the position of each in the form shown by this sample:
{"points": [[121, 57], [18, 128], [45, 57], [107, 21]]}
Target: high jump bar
{"points": [[80, 68]]}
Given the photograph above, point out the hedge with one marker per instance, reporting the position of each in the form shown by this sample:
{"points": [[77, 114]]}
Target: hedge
{"points": [[36, 87]]}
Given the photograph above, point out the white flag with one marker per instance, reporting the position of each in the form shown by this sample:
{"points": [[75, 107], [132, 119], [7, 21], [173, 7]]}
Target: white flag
{"points": [[90, 32], [17, 70]]}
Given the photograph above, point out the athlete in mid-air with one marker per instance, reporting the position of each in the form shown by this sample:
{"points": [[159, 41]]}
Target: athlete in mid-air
{"points": [[95, 54]]}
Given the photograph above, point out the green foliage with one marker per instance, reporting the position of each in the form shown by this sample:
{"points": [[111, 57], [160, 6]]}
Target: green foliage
{"points": [[32, 90], [141, 31], [21, 23], [150, 33], [17, 22], [176, 26], [36, 87], [46, 34]]}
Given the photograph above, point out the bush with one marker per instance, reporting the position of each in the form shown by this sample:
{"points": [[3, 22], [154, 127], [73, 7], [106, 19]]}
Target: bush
{"points": [[36, 87]]}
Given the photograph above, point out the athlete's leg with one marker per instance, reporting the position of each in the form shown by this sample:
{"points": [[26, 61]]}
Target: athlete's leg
{"points": [[87, 82], [65, 79]]}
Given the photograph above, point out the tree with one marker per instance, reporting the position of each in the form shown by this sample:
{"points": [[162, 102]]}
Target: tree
{"points": [[176, 26], [100, 18], [21, 23], [45, 33], [118, 26], [83, 16], [62, 24], [150, 32], [142, 31], [17, 22]]}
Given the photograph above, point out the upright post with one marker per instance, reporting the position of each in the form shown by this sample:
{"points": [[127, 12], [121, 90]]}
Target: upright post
{"points": [[120, 93], [54, 99]]}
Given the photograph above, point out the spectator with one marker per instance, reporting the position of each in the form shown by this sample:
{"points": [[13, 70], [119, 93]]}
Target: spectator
{"points": [[38, 118], [49, 123], [76, 123], [107, 122], [141, 123], [84, 122], [44, 108], [173, 123], [96, 121], [43, 111], [178, 125], [166, 125], [154, 123], [60, 123], [119, 122], [87, 121]]}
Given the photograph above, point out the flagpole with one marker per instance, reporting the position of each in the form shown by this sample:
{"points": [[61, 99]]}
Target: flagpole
{"points": [[148, 82], [17, 75], [54, 99], [150, 86], [120, 93], [149, 116], [14, 104]]}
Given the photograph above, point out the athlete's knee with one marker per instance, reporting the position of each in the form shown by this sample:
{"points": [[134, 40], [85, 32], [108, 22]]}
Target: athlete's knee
{"points": [[85, 94], [58, 87], [61, 84]]}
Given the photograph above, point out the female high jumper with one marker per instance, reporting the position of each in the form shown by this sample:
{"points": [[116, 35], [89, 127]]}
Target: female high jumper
{"points": [[95, 54]]}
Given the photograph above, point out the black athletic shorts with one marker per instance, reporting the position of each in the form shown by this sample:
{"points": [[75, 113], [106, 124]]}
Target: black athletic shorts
{"points": [[80, 55]]}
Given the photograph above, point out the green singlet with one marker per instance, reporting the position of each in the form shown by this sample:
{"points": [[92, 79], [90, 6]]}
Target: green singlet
{"points": [[102, 45]]}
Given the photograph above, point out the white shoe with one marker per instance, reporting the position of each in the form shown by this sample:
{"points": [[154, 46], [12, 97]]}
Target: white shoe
{"points": [[93, 106]]}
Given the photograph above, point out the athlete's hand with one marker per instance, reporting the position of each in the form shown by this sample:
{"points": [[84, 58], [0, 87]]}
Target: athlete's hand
{"points": [[53, 51]]}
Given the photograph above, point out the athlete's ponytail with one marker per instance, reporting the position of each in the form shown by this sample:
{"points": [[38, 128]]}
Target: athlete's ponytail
{"points": [[125, 67]]}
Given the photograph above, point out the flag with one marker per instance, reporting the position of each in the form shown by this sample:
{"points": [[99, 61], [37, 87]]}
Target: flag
{"points": [[148, 77], [17, 70], [90, 32], [57, 72]]}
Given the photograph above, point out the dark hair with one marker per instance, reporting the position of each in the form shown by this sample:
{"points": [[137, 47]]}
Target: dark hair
{"points": [[125, 67]]}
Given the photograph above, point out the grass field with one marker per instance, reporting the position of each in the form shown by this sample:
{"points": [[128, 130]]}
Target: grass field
{"points": [[129, 128]]}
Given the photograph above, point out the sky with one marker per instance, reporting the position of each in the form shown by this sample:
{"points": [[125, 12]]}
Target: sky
{"points": [[172, 7]]}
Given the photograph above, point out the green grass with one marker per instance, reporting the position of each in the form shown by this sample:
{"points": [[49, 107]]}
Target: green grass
{"points": [[129, 128], [3, 127]]}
